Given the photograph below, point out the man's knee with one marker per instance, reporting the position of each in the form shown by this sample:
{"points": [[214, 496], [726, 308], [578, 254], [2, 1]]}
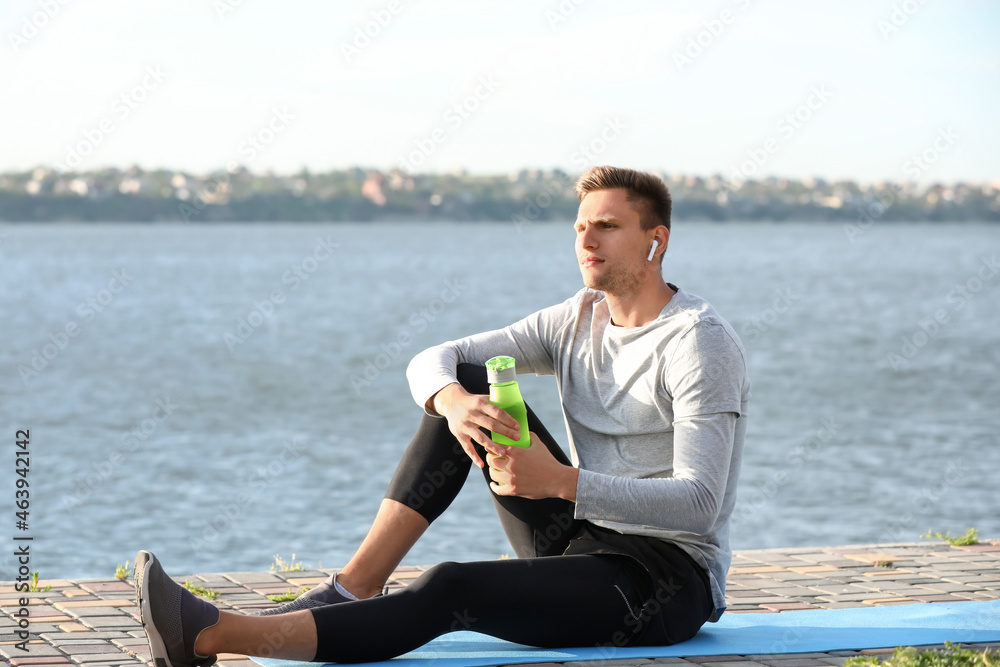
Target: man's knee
{"points": [[472, 377], [446, 576]]}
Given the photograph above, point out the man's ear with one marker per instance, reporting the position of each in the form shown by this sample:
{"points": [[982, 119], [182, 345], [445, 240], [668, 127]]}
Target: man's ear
{"points": [[661, 235]]}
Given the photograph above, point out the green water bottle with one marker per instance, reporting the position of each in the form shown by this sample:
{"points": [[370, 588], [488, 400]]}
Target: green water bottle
{"points": [[504, 393]]}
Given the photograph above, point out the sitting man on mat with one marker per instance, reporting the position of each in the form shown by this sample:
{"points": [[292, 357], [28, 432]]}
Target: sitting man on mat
{"points": [[624, 543]]}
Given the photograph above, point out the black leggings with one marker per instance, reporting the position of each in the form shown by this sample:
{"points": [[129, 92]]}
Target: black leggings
{"points": [[591, 599], [434, 468]]}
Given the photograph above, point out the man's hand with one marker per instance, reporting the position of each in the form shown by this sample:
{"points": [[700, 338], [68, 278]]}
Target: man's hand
{"points": [[466, 413], [531, 473]]}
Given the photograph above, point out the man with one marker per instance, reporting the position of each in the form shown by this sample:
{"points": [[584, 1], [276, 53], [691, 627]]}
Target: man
{"points": [[627, 543]]}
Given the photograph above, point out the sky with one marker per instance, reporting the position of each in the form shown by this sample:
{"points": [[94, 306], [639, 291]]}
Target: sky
{"points": [[866, 90]]}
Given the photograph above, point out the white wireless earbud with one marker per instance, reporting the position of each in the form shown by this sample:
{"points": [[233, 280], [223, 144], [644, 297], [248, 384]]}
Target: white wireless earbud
{"points": [[652, 250]]}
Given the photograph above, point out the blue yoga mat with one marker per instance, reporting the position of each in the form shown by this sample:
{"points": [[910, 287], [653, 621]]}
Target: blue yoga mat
{"points": [[739, 634]]}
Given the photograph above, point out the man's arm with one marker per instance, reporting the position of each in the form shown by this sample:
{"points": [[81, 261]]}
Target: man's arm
{"points": [[689, 500], [434, 385], [705, 382], [532, 473], [466, 413], [530, 341]]}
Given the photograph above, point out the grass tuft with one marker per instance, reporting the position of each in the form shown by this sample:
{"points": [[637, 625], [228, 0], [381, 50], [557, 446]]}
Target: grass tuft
{"points": [[200, 590], [287, 596], [121, 571], [33, 587], [280, 565], [953, 655], [971, 536]]}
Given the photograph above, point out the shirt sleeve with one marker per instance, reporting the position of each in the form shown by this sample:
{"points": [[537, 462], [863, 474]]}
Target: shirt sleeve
{"points": [[704, 380], [532, 341], [705, 373], [689, 500]]}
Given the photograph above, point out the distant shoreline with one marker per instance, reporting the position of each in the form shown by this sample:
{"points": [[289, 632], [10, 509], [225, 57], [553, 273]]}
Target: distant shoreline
{"points": [[357, 195]]}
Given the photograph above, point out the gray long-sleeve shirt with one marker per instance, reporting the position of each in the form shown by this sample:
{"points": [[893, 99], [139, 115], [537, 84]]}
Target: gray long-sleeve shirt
{"points": [[655, 415]]}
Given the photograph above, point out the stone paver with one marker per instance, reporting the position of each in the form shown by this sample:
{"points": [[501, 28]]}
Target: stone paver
{"points": [[93, 622]]}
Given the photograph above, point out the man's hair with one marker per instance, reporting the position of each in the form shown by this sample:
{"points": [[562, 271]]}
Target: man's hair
{"points": [[646, 192]]}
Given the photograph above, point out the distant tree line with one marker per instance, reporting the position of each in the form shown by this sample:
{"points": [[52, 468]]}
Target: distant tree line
{"points": [[362, 195]]}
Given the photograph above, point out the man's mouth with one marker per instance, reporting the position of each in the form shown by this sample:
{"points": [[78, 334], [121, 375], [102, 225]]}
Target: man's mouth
{"points": [[591, 261]]}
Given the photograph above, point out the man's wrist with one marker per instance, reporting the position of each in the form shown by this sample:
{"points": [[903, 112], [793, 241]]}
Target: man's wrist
{"points": [[434, 403], [570, 478]]}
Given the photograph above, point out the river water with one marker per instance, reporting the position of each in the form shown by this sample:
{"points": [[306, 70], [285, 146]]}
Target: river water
{"points": [[223, 393]]}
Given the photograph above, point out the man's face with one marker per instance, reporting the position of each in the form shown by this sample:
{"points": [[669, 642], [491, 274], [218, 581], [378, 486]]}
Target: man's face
{"points": [[611, 247]]}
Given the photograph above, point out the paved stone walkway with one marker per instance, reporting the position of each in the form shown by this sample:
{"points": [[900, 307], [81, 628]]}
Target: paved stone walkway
{"points": [[93, 622]]}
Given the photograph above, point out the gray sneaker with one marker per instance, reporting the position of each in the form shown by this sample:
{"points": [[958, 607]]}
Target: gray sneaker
{"points": [[322, 595], [172, 616]]}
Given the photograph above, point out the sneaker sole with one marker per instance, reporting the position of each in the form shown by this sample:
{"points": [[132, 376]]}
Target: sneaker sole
{"points": [[156, 647]]}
